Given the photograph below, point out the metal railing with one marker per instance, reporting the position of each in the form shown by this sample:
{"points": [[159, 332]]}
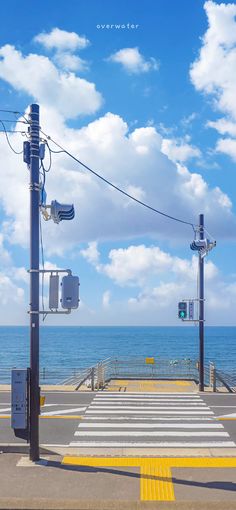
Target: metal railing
{"points": [[93, 376], [227, 380], [136, 367], [150, 368], [219, 380]]}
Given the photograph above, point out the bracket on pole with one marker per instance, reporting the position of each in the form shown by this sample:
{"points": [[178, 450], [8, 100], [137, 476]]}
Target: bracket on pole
{"points": [[70, 292]]}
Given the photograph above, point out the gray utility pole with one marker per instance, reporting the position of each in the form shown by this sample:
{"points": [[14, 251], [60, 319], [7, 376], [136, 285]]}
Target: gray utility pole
{"points": [[34, 282], [201, 307]]}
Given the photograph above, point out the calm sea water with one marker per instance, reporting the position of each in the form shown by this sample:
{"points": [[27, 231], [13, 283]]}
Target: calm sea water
{"points": [[64, 349]]}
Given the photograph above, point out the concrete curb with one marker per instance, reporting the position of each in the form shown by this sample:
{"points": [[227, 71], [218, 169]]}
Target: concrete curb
{"points": [[72, 504], [46, 449], [140, 452]]}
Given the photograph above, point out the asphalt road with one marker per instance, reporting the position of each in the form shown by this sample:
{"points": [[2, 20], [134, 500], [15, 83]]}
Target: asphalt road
{"points": [[110, 419], [61, 409]]}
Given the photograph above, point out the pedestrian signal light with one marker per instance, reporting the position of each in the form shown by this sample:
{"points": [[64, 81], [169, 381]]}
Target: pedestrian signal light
{"points": [[182, 310]]}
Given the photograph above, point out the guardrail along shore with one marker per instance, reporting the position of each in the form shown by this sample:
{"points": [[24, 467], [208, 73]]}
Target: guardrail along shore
{"points": [[136, 367], [152, 368]]}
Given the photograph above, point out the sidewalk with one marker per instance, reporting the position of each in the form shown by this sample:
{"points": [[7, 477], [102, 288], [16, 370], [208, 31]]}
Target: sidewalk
{"points": [[83, 483]]}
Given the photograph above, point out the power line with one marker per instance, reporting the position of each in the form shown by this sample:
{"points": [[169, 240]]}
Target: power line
{"points": [[12, 111], [50, 161], [13, 121], [13, 131], [54, 152], [114, 186], [8, 141], [16, 113]]}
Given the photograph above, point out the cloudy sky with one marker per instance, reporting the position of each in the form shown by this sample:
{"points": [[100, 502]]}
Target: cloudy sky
{"points": [[143, 93]]}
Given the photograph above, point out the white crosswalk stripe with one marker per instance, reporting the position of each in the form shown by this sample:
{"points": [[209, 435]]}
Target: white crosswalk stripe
{"points": [[150, 420]]}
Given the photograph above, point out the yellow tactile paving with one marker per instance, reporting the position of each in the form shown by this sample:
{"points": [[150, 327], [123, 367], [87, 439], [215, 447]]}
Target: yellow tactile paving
{"points": [[156, 480], [156, 483], [183, 383], [147, 386]]}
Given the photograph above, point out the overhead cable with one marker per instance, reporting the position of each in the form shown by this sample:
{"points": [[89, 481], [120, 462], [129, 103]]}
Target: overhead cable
{"points": [[8, 141], [116, 187]]}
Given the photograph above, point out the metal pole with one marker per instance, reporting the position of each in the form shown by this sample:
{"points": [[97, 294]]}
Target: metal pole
{"points": [[34, 282], [92, 378], [201, 308]]}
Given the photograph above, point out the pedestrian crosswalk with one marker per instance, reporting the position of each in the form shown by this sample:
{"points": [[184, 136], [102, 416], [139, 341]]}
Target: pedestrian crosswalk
{"points": [[150, 420]]}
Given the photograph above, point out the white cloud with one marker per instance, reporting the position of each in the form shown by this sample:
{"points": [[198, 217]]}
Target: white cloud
{"points": [[62, 40], [215, 69], [19, 274], [179, 150], [91, 254], [136, 192], [145, 138], [106, 299], [10, 293], [65, 44], [133, 61], [157, 298], [5, 256], [70, 62], [227, 146], [223, 126], [132, 265], [187, 121], [135, 265], [157, 280], [37, 76]]}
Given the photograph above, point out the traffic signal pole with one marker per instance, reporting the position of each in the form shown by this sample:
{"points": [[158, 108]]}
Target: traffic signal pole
{"points": [[201, 307], [34, 282]]}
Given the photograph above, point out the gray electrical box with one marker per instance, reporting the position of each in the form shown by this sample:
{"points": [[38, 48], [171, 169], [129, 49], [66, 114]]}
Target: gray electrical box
{"points": [[19, 398], [70, 292], [53, 291]]}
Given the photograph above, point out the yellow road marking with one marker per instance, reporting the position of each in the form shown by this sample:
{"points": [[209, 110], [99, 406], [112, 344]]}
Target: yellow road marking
{"points": [[156, 481], [226, 418]]}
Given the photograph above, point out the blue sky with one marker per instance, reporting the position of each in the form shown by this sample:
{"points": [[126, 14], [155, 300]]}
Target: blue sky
{"points": [[151, 106]]}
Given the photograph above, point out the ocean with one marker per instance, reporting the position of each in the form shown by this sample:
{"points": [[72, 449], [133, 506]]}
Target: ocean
{"points": [[63, 350]]}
